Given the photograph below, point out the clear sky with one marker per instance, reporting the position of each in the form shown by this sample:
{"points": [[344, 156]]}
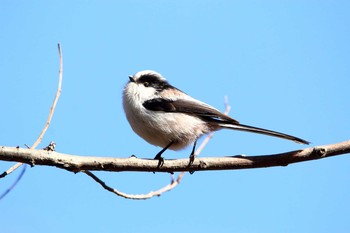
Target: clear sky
{"points": [[284, 65]]}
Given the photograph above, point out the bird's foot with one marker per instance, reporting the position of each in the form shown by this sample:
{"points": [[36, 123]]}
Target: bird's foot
{"points": [[192, 157], [160, 160]]}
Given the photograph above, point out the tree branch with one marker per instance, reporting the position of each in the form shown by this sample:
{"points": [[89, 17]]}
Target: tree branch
{"points": [[48, 121], [76, 163], [169, 187], [149, 195]]}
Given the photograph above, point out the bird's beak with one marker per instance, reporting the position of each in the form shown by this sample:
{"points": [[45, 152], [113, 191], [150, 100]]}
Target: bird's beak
{"points": [[131, 78]]}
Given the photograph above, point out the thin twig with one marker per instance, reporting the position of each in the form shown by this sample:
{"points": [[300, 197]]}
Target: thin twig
{"points": [[173, 183], [132, 196], [52, 109], [48, 121], [14, 183]]}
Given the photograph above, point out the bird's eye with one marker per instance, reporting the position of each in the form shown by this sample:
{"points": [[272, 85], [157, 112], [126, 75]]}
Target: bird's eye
{"points": [[146, 84]]}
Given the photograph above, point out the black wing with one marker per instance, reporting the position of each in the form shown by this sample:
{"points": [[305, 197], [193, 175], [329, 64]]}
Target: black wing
{"points": [[199, 109], [210, 114]]}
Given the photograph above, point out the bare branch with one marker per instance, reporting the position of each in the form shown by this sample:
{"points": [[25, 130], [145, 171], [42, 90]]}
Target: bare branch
{"points": [[76, 163], [53, 106], [48, 121], [136, 196], [151, 194], [166, 188]]}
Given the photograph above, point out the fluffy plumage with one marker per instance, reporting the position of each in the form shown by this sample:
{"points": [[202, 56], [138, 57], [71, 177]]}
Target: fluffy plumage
{"points": [[165, 116]]}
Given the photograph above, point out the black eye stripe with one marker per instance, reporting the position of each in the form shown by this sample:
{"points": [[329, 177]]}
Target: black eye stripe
{"points": [[150, 80]]}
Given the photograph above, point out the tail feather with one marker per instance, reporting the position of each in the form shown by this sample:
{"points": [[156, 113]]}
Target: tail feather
{"points": [[253, 129]]}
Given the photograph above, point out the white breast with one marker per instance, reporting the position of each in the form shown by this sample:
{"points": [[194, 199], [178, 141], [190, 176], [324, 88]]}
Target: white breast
{"points": [[157, 127]]}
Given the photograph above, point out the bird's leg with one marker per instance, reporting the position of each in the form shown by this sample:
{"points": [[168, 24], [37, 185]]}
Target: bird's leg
{"points": [[159, 155], [192, 155]]}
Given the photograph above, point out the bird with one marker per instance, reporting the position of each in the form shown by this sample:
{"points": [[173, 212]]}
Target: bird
{"points": [[167, 117]]}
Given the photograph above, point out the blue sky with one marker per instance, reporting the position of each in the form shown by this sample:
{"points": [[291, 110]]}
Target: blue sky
{"points": [[284, 65]]}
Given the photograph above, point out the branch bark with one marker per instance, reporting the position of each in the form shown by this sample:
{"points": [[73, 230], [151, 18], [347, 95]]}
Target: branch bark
{"points": [[77, 163]]}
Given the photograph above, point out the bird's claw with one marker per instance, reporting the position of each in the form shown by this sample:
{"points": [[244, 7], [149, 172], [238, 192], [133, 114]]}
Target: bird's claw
{"points": [[160, 161], [192, 157]]}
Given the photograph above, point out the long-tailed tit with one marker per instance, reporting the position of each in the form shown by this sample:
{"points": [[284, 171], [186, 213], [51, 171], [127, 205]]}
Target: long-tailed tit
{"points": [[167, 117]]}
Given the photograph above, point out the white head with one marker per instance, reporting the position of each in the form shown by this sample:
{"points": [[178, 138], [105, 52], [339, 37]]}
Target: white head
{"points": [[145, 73], [146, 84]]}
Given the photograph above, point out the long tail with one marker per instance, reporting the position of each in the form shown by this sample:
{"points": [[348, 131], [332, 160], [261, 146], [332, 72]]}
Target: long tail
{"points": [[252, 129]]}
